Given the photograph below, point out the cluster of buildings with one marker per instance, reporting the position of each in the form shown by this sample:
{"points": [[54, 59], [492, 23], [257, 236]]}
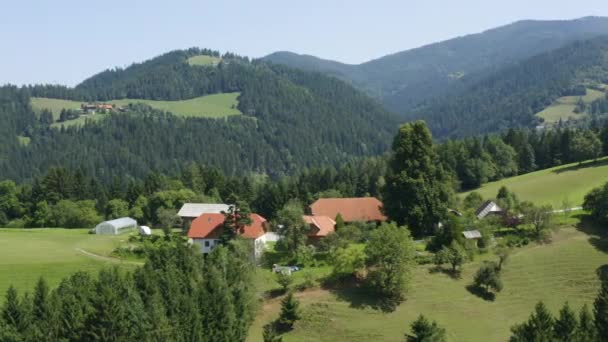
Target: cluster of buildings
{"points": [[96, 107], [205, 221]]}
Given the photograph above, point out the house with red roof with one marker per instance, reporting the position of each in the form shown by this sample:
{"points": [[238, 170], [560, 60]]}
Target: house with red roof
{"points": [[206, 230], [320, 226], [363, 209]]}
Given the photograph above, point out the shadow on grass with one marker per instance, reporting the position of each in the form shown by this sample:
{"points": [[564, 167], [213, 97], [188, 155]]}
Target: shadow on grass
{"points": [[481, 293], [358, 295], [596, 231], [454, 274], [274, 293], [594, 163]]}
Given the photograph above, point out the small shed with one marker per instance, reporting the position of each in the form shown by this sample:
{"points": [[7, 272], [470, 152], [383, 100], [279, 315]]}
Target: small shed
{"points": [[117, 226], [488, 208], [145, 230], [471, 234]]}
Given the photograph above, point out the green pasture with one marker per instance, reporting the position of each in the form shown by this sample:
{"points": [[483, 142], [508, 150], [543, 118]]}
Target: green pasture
{"points": [[204, 60], [552, 186], [563, 107]]}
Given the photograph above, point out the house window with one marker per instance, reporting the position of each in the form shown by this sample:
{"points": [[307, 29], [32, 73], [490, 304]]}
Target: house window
{"points": [[207, 243]]}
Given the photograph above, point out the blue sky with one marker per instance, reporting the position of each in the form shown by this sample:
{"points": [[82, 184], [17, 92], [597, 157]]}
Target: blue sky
{"points": [[65, 41]]}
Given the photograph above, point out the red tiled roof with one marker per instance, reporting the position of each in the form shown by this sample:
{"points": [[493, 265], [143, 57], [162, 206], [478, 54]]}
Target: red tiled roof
{"points": [[351, 209], [209, 226], [324, 225]]}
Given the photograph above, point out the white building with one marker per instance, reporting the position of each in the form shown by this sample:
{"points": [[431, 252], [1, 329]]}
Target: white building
{"points": [[117, 226], [207, 229]]}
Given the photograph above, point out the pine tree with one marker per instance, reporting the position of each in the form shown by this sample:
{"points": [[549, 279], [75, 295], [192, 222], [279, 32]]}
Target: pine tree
{"points": [[539, 327], [600, 312], [42, 319], [424, 330], [13, 313], [566, 324], [290, 312], [270, 334], [586, 328], [236, 218]]}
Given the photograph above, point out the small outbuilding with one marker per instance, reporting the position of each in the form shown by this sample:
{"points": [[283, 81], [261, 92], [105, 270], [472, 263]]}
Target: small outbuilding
{"points": [[145, 230], [471, 234], [488, 208], [117, 226]]}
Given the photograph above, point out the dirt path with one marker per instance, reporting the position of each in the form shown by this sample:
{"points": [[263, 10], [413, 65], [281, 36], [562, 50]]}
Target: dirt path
{"points": [[106, 258]]}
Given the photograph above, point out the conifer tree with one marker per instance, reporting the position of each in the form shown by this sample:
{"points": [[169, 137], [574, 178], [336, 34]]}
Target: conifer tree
{"points": [[600, 312], [424, 330], [586, 328], [13, 313], [566, 324], [290, 312]]}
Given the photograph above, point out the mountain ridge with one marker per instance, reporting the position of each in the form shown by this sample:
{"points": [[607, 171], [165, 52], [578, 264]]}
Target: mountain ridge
{"points": [[405, 79]]}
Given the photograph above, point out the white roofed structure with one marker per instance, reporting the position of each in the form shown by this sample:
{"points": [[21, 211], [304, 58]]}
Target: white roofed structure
{"points": [[117, 226], [471, 234], [194, 210]]}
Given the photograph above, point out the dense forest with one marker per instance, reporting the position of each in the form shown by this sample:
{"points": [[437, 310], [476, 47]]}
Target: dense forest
{"points": [[292, 119], [75, 196], [406, 79]]}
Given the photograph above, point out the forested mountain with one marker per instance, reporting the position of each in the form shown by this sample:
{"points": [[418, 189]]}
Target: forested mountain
{"points": [[292, 119], [510, 97], [405, 79]]}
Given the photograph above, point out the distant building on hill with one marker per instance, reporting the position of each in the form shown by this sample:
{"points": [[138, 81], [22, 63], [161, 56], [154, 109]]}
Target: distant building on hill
{"points": [[92, 108], [488, 208], [363, 209]]}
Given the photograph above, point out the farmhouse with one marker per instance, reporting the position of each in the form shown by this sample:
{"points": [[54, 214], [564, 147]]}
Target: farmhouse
{"points": [[351, 209], [488, 208], [190, 211], [94, 107], [320, 226], [206, 230], [117, 226]]}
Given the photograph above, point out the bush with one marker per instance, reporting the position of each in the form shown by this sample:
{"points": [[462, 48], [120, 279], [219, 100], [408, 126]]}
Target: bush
{"points": [[16, 223], [424, 259]]}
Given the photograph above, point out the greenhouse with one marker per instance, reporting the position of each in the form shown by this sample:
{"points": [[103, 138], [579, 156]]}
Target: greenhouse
{"points": [[115, 227]]}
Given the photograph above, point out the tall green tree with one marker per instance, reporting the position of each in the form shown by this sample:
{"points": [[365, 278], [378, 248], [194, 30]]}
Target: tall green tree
{"points": [[390, 254], [291, 226], [414, 169], [236, 218], [539, 326]]}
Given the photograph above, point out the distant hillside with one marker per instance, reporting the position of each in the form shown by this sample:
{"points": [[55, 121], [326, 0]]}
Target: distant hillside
{"points": [[291, 119], [406, 79], [510, 97]]}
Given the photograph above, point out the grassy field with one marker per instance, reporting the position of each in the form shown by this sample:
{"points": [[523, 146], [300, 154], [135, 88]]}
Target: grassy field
{"points": [[563, 107], [562, 270], [204, 60], [27, 254], [54, 105], [209, 106], [552, 186]]}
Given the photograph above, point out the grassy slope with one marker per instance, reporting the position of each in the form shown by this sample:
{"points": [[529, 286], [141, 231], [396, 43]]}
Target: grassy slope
{"points": [[562, 270], [27, 254], [209, 106], [203, 60], [553, 185], [563, 108]]}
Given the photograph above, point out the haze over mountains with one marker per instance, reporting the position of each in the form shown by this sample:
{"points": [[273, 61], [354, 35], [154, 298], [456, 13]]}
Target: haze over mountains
{"points": [[404, 80]]}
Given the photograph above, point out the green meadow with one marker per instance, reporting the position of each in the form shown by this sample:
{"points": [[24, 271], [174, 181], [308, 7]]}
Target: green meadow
{"points": [[563, 107], [54, 253], [204, 60], [209, 106], [553, 186], [563, 270]]}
